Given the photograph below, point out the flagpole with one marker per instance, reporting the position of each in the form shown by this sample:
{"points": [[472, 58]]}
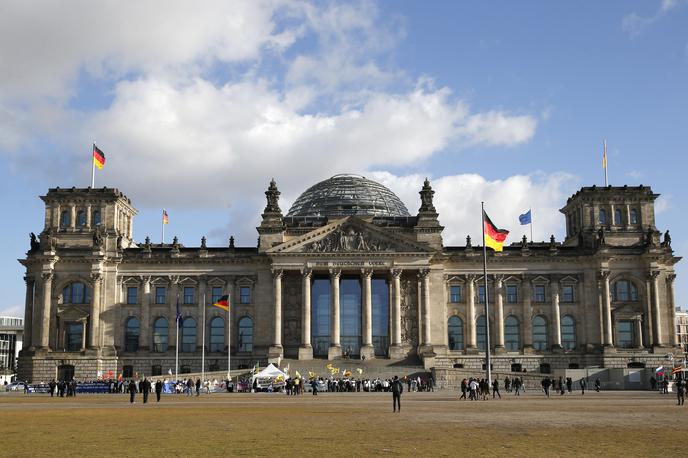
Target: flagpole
{"points": [[162, 223], [176, 346], [604, 147], [531, 225], [93, 168], [487, 301], [229, 336], [203, 342]]}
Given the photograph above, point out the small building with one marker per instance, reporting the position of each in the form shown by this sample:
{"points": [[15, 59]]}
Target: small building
{"points": [[11, 338]]}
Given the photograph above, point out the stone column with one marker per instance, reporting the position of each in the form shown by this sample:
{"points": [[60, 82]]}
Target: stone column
{"points": [[94, 319], [72, 213], [639, 333], [88, 216], [527, 315], [673, 337], [470, 314], [499, 314], [28, 310], [396, 350], [367, 349], [276, 350], [656, 310], [83, 335], [46, 310], [202, 300], [306, 349], [172, 299], [335, 349], [607, 309], [648, 313], [426, 338], [556, 317], [145, 301]]}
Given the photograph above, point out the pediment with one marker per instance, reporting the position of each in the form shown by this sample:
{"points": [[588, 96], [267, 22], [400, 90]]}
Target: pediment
{"points": [[72, 312], [349, 235]]}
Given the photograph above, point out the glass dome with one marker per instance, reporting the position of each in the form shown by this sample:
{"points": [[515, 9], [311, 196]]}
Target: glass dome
{"points": [[346, 195]]}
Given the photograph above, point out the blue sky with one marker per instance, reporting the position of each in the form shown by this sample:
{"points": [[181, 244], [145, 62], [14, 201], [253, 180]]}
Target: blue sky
{"points": [[197, 108]]}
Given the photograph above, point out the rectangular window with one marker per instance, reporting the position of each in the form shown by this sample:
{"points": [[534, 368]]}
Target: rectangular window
{"points": [[567, 293], [160, 295], [455, 294], [481, 294], [624, 333], [216, 294], [539, 293], [132, 295], [189, 295], [511, 294], [245, 295]]}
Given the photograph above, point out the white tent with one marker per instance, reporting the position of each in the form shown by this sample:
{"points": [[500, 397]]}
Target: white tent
{"points": [[269, 376]]}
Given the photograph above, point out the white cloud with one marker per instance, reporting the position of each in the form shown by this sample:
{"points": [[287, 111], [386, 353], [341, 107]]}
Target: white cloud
{"points": [[458, 197], [634, 24], [663, 203], [16, 311]]}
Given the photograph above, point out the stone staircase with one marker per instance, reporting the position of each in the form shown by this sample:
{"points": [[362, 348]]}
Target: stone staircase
{"points": [[371, 368]]}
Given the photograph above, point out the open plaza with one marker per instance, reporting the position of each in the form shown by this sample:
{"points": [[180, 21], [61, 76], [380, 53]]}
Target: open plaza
{"points": [[629, 423]]}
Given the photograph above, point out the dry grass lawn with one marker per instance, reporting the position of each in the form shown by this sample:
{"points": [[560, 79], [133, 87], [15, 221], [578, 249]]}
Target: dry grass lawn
{"points": [[355, 424]]}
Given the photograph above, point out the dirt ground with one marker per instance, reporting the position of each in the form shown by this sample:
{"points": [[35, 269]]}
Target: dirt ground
{"points": [[351, 424]]}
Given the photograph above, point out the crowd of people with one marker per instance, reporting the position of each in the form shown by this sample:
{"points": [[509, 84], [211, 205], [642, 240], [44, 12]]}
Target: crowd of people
{"points": [[474, 389]]}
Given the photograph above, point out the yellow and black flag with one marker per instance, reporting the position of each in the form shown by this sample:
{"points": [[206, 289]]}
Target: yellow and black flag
{"points": [[98, 157]]}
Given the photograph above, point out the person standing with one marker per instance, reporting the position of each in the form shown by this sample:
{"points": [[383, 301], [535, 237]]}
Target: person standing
{"points": [[158, 389], [680, 386], [145, 389], [598, 385], [397, 389], [132, 391], [495, 389], [583, 384], [198, 387]]}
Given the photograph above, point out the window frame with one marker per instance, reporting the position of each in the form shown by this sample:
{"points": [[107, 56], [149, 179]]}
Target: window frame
{"points": [[537, 298], [158, 301], [509, 295], [189, 331], [245, 298], [135, 296], [571, 298], [243, 345], [538, 343], [158, 345], [568, 344], [508, 343], [188, 297], [455, 294], [131, 345], [458, 344]]}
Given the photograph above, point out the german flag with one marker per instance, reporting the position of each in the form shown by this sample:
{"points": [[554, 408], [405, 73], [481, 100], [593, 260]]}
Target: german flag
{"points": [[98, 157], [165, 218], [223, 303], [494, 237]]}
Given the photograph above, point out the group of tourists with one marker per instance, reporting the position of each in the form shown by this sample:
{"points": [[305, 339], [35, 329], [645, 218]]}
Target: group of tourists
{"points": [[62, 388], [474, 389]]}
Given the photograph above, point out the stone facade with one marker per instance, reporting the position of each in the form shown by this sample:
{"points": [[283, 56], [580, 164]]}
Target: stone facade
{"points": [[97, 301]]}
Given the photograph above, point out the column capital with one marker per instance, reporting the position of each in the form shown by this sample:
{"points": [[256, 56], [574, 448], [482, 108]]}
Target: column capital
{"points": [[423, 273], [173, 279], [499, 279], [367, 272], [96, 277], [335, 273], [29, 279], [307, 272], [145, 279], [670, 279], [396, 272], [470, 278], [47, 276], [277, 273], [604, 274], [653, 275]]}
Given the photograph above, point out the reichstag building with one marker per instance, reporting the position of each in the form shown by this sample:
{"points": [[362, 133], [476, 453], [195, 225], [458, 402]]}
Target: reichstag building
{"points": [[347, 272]]}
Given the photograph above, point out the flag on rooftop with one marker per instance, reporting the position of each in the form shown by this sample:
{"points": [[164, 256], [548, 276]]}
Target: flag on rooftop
{"points": [[494, 237], [525, 218], [98, 157]]}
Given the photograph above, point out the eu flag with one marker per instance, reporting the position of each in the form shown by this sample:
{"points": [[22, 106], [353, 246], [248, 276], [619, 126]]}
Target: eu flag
{"points": [[525, 218]]}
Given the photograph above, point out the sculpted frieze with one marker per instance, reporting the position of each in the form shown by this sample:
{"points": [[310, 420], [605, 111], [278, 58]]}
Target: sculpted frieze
{"points": [[343, 240]]}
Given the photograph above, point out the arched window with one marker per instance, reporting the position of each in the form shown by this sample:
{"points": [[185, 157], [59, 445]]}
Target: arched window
{"points": [[624, 291], [160, 335], [96, 218], [603, 216], [246, 334], [512, 334], [76, 293], [188, 335], [65, 218], [455, 332], [81, 218], [217, 334], [481, 332], [568, 332], [634, 216], [617, 216], [131, 334], [539, 333]]}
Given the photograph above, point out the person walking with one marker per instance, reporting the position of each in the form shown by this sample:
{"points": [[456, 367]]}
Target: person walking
{"points": [[495, 389], [132, 391], [198, 387], [158, 389], [598, 385], [583, 384], [397, 389], [464, 388]]}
